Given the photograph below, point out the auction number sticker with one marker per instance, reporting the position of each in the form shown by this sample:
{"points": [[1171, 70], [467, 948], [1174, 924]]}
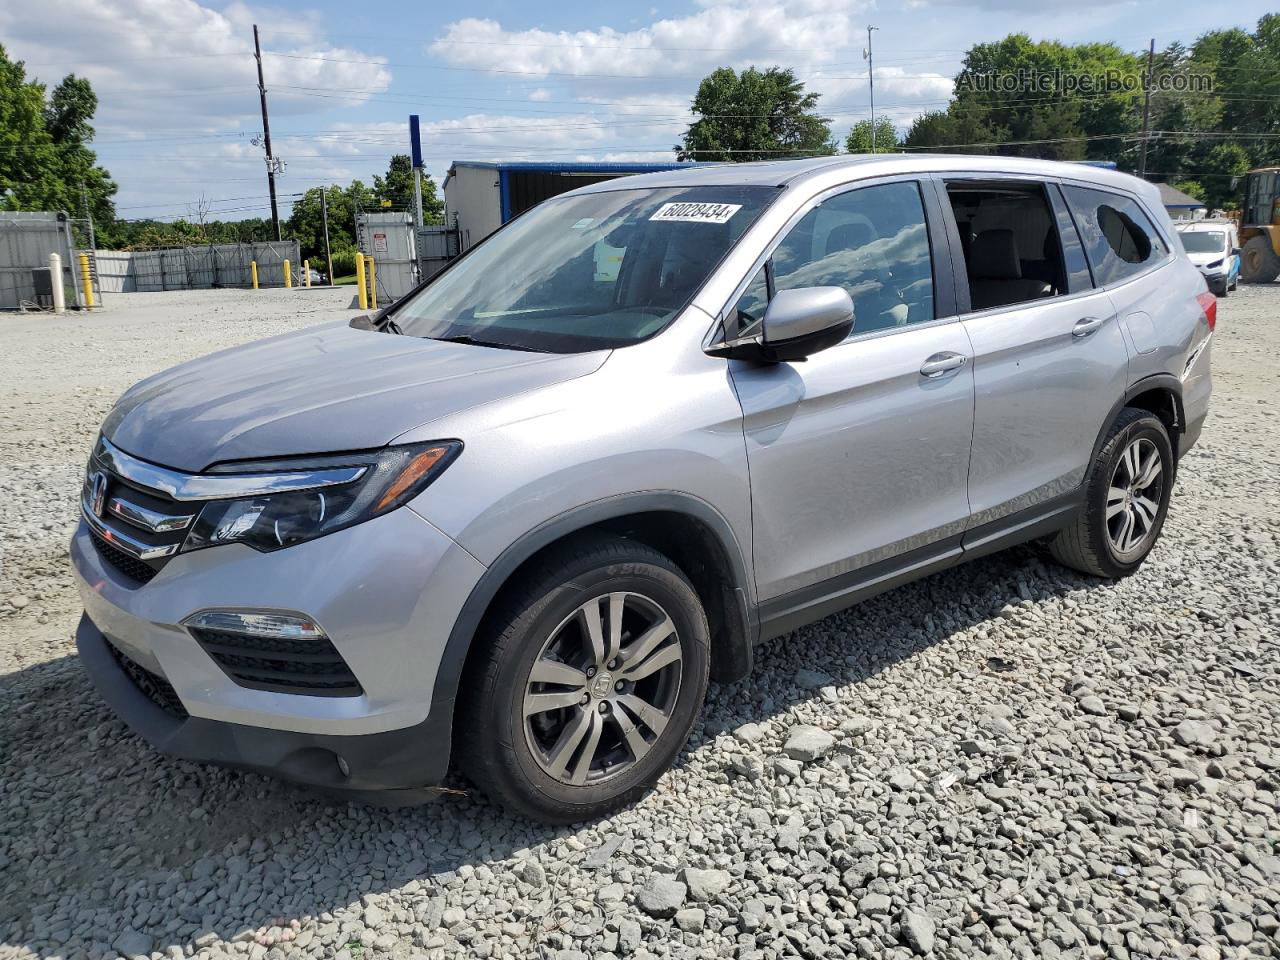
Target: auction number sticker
{"points": [[696, 212]]}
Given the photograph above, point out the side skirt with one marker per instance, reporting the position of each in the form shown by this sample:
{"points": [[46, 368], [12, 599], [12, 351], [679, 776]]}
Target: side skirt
{"points": [[794, 610]]}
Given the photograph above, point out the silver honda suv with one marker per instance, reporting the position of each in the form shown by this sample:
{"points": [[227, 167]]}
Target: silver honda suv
{"points": [[520, 518]]}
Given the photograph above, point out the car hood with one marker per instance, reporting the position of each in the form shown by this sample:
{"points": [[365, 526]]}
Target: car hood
{"points": [[322, 390]]}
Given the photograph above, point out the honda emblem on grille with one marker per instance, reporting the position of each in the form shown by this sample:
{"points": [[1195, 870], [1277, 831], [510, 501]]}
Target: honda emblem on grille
{"points": [[98, 493]]}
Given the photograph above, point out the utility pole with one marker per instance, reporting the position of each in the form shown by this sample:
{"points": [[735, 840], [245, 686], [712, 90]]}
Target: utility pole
{"points": [[1146, 111], [324, 213], [871, 80], [266, 135]]}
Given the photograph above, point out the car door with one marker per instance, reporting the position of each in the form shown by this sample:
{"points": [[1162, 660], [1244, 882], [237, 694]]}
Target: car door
{"points": [[1049, 359], [859, 455]]}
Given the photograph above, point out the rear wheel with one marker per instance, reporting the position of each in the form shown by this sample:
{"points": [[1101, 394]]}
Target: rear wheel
{"points": [[1126, 499], [593, 676], [1258, 261]]}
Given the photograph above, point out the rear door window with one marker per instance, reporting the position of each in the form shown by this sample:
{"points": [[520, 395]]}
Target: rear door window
{"points": [[1119, 238]]}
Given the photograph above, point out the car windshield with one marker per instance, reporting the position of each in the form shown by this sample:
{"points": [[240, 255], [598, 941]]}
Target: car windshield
{"points": [[586, 272], [1203, 241]]}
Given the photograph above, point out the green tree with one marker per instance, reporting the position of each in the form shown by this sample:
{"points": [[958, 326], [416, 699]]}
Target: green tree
{"points": [[755, 115], [1192, 188], [1049, 111], [955, 130], [45, 161], [306, 220], [859, 139], [396, 190]]}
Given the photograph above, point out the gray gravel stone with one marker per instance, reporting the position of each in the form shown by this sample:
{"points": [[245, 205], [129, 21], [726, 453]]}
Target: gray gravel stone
{"points": [[704, 885], [1194, 733], [807, 743], [691, 919], [629, 936], [131, 943], [1093, 706], [661, 896], [917, 931]]}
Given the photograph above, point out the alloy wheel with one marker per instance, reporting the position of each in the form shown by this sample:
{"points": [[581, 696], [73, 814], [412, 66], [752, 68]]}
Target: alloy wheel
{"points": [[602, 688], [1133, 498]]}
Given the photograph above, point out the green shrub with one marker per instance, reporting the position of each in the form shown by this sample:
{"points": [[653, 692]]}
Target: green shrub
{"points": [[344, 262]]}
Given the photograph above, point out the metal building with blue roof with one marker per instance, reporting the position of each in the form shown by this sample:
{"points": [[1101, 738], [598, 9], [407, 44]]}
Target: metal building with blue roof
{"points": [[481, 196]]}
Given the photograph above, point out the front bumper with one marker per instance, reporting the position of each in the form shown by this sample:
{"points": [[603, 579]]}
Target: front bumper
{"points": [[403, 765], [386, 592]]}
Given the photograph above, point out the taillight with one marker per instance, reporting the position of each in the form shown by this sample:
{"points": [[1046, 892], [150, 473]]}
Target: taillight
{"points": [[1209, 304]]}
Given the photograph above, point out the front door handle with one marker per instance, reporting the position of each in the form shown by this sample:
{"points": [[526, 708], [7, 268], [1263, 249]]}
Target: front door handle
{"points": [[1087, 326], [941, 363]]}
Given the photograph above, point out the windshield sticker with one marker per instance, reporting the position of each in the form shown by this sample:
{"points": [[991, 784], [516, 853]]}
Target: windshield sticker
{"points": [[696, 212], [583, 223]]}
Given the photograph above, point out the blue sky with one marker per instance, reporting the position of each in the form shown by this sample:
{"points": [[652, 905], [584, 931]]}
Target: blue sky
{"points": [[494, 79]]}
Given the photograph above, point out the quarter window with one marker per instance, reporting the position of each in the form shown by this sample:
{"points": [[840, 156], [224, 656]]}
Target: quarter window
{"points": [[872, 241], [1118, 236]]}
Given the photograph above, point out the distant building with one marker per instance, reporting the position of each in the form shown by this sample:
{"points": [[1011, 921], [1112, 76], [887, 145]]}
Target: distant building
{"points": [[1181, 206], [482, 196]]}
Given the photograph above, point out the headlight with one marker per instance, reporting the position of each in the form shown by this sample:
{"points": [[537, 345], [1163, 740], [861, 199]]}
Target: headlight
{"points": [[1216, 263], [268, 522]]}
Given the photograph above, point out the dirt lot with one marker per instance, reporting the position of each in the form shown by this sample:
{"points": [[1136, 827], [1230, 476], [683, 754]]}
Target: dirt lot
{"points": [[1028, 763]]}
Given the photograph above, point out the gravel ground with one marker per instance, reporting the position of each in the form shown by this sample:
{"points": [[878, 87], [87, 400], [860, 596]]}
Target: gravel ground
{"points": [[1004, 760]]}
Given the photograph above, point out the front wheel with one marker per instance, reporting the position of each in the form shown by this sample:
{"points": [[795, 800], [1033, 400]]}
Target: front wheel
{"points": [[591, 678], [1127, 494]]}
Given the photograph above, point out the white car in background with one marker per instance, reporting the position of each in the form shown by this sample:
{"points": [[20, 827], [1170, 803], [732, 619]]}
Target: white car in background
{"points": [[1214, 247]]}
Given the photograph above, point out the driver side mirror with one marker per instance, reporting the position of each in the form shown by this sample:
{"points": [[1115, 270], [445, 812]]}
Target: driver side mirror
{"points": [[797, 324]]}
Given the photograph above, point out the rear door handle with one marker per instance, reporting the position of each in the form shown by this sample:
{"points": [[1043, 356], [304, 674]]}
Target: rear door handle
{"points": [[941, 363], [1087, 326]]}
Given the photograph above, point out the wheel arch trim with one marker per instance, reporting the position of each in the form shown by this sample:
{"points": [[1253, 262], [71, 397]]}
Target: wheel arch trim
{"points": [[581, 518], [1156, 381]]}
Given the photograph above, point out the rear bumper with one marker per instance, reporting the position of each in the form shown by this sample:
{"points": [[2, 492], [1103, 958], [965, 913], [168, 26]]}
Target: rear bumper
{"points": [[400, 766]]}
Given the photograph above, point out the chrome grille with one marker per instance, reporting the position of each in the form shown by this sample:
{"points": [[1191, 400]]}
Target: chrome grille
{"points": [[131, 567], [135, 528]]}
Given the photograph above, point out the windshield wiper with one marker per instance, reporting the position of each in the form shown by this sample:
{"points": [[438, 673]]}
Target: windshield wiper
{"points": [[480, 342]]}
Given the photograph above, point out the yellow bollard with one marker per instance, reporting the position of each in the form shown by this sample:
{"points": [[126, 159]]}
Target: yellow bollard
{"points": [[288, 277], [253, 273], [373, 283], [86, 281], [364, 291], [306, 273]]}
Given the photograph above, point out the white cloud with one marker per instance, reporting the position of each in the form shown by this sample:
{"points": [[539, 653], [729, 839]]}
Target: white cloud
{"points": [[821, 39], [170, 71], [739, 31], [178, 62]]}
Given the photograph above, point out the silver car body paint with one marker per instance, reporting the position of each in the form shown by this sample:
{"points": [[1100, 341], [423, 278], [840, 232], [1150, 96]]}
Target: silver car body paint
{"points": [[817, 468]]}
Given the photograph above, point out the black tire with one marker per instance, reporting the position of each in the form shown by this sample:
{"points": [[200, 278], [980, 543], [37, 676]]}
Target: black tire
{"points": [[1087, 545], [492, 745], [1222, 290], [1258, 261]]}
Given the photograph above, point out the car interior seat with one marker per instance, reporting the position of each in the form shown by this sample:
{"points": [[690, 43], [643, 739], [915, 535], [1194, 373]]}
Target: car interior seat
{"points": [[995, 272]]}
